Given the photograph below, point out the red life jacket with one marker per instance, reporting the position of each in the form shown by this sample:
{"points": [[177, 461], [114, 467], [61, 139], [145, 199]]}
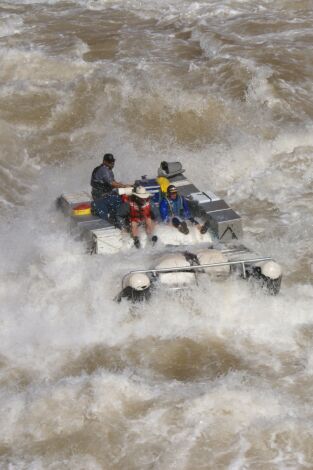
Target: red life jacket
{"points": [[139, 213]]}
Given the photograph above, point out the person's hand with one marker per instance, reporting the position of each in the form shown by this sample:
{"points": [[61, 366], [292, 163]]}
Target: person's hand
{"points": [[199, 227]]}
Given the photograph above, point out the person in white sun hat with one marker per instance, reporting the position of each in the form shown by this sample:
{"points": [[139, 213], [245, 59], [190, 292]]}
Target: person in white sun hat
{"points": [[138, 211]]}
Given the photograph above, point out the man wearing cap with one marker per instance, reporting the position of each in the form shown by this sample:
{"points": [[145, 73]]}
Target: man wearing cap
{"points": [[103, 185], [174, 208], [137, 211]]}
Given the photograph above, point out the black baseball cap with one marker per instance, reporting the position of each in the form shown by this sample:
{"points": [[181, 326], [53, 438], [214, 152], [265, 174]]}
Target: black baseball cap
{"points": [[108, 157]]}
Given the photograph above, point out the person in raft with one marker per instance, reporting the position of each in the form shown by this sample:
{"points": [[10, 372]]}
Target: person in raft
{"points": [[174, 209], [104, 189], [138, 211]]}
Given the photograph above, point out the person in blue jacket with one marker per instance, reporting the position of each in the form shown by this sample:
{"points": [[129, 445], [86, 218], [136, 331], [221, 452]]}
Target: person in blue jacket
{"points": [[174, 208]]}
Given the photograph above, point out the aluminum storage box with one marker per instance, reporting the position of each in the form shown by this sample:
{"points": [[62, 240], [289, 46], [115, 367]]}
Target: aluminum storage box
{"points": [[214, 206], [89, 222], [226, 224]]}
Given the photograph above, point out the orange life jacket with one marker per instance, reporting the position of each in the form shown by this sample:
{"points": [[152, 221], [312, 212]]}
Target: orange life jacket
{"points": [[139, 213]]}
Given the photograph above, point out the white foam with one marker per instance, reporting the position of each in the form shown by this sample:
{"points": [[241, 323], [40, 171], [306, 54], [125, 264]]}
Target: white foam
{"points": [[191, 375], [10, 24], [37, 67]]}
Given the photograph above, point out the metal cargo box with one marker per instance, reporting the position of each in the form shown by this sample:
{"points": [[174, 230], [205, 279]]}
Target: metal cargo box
{"points": [[214, 206], [88, 222], [226, 224]]}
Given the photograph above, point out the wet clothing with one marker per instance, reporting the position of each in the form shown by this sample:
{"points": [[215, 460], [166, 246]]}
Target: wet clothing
{"points": [[101, 182], [107, 207], [139, 213], [178, 207], [132, 212], [105, 200]]}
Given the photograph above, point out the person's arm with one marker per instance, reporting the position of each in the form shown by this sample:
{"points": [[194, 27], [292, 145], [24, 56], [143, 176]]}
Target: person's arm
{"points": [[108, 178], [116, 185], [164, 211], [187, 214]]}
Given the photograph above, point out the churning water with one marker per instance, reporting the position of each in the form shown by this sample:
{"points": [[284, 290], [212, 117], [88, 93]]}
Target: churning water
{"points": [[219, 378]]}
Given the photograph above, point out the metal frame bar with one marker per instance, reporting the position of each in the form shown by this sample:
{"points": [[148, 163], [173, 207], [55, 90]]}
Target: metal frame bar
{"points": [[196, 267]]}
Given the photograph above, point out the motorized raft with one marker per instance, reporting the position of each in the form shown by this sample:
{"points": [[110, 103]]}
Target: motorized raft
{"points": [[181, 259]]}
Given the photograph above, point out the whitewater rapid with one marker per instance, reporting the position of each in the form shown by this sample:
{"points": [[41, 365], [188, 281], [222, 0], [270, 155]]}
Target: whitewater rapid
{"points": [[218, 377]]}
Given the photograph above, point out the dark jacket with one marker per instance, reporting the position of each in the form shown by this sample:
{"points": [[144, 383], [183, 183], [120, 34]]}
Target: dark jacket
{"points": [[101, 182]]}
